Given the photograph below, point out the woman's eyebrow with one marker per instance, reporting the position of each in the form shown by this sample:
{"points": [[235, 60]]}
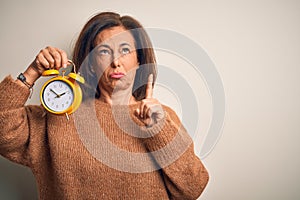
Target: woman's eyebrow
{"points": [[103, 45], [125, 44]]}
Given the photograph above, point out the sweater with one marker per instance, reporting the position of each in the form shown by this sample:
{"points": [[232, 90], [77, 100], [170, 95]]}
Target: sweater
{"points": [[101, 152]]}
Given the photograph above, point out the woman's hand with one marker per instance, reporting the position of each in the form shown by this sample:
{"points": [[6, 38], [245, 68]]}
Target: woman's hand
{"points": [[47, 58], [50, 58], [150, 110]]}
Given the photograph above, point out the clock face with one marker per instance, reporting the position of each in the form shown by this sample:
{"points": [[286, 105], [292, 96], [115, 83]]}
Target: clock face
{"points": [[58, 96]]}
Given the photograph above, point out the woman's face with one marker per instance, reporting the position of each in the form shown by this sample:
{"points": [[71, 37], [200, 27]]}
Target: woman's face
{"points": [[116, 58]]}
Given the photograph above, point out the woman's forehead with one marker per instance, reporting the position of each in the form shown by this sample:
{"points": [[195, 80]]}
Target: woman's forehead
{"points": [[114, 36]]}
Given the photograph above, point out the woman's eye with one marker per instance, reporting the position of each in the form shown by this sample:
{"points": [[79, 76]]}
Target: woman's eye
{"points": [[125, 51], [104, 52]]}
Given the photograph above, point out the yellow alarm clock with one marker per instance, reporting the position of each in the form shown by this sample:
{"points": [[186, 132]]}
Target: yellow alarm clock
{"points": [[62, 94]]}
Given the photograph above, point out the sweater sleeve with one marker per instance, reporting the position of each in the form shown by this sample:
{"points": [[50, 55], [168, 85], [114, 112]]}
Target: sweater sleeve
{"points": [[172, 148], [17, 122]]}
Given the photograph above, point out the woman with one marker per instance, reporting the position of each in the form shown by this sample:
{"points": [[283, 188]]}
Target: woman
{"points": [[114, 55]]}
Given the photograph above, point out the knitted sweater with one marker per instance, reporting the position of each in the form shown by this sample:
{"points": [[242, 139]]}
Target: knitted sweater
{"points": [[102, 152]]}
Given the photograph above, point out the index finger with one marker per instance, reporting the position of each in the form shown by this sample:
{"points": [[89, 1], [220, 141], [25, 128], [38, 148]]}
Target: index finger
{"points": [[149, 88]]}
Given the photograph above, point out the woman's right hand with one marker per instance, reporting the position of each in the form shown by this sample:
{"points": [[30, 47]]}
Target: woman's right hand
{"points": [[50, 58], [47, 58]]}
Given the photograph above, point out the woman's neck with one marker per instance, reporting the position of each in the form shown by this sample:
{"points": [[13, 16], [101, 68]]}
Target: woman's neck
{"points": [[117, 97]]}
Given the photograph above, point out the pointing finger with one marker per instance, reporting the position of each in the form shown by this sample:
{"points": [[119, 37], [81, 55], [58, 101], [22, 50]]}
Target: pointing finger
{"points": [[149, 88]]}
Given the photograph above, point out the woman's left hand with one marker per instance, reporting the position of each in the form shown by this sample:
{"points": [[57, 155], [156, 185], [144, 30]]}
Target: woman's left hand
{"points": [[150, 110]]}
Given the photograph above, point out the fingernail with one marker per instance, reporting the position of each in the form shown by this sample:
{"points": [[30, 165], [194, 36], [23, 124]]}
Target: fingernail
{"points": [[64, 65], [151, 78]]}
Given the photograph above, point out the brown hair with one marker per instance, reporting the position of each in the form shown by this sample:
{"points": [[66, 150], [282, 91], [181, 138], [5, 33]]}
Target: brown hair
{"points": [[85, 44]]}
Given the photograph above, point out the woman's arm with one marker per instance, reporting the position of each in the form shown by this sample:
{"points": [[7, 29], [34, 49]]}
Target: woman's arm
{"points": [[22, 127], [172, 148], [16, 121]]}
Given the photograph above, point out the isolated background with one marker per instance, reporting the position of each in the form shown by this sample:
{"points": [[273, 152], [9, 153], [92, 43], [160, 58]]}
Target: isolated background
{"points": [[255, 46]]}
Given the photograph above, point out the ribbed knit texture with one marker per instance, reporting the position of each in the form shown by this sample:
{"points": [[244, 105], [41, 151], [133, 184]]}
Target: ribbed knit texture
{"points": [[102, 152]]}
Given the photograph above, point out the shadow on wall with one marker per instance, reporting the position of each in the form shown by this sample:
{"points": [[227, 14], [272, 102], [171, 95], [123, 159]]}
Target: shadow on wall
{"points": [[16, 181]]}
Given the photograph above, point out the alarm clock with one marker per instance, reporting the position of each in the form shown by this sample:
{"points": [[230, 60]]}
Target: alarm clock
{"points": [[61, 94]]}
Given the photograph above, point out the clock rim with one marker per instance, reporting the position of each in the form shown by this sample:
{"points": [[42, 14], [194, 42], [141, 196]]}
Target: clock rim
{"points": [[77, 95]]}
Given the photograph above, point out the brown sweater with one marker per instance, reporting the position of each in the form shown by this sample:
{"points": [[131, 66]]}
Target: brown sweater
{"points": [[102, 152]]}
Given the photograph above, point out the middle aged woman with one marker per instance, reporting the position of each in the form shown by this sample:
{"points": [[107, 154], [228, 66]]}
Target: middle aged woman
{"points": [[116, 58]]}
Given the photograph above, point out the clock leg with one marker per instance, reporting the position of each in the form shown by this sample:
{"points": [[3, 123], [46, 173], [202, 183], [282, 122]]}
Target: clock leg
{"points": [[67, 116]]}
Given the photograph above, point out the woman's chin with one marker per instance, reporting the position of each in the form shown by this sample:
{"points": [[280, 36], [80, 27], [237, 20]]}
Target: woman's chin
{"points": [[121, 84]]}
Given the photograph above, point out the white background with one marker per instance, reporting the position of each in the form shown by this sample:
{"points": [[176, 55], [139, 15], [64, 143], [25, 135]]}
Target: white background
{"points": [[255, 46]]}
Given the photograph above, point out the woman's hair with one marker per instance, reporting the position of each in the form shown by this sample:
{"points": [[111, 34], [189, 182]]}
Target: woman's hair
{"points": [[86, 43]]}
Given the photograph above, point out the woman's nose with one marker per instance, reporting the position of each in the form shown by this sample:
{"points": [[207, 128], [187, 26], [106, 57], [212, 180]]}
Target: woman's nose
{"points": [[116, 61]]}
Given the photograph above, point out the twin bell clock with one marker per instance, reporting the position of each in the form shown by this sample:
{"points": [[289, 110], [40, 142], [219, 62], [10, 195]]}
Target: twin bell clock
{"points": [[62, 93]]}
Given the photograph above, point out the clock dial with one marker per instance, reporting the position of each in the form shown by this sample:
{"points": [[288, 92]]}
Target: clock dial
{"points": [[58, 96]]}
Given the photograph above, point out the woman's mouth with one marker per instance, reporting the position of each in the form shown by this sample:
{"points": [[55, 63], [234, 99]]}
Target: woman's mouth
{"points": [[116, 75]]}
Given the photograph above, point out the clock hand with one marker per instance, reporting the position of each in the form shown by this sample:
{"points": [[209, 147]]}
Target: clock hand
{"points": [[57, 95], [62, 94]]}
